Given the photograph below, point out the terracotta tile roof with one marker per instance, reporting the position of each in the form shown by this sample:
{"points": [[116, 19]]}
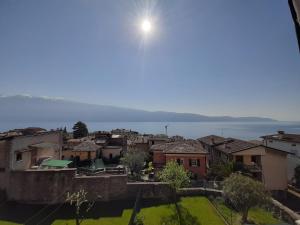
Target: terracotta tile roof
{"points": [[86, 146], [232, 145], [283, 137], [187, 147], [212, 140]]}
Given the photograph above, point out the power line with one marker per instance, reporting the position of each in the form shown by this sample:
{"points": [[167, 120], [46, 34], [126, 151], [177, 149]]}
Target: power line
{"points": [[50, 214], [45, 207]]}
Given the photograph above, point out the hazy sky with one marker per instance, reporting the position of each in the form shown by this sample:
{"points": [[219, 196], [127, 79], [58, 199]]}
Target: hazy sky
{"points": [[213, 57]]}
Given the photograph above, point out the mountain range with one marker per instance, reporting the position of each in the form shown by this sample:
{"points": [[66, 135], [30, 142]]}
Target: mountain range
{"points": [[45, 109]]}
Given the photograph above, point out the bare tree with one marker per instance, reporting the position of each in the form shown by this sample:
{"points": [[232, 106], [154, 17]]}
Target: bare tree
{"points": [[78, 199]]}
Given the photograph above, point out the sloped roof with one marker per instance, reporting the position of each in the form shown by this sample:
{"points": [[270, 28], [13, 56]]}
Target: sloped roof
{"points": [[212, 140], [283, 137], [180, 147], [45, 145], [86, 146], [232, 145]]}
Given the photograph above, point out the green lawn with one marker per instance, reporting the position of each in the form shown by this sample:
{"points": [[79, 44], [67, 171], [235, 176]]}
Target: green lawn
{"points": [[122, 220], [256, 215], [8, 223], [194, 210]]}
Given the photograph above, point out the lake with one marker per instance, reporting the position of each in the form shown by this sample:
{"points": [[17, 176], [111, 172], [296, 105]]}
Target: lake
{"points": [[242, 130]]}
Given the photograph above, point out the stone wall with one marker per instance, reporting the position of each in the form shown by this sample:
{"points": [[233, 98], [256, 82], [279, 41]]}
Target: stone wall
{"points": [[51, 186], [149, 189], [40, 186], [103, 188]]}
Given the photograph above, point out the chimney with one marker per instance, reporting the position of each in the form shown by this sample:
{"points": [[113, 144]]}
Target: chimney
{"points": [[280, 134], [225, 143], [212, 141]]}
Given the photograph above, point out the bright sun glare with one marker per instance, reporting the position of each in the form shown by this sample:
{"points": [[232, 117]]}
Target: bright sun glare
{"points": [[146, 26]]}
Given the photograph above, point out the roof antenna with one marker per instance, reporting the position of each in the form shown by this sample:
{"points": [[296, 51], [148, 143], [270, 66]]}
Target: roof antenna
{"points": [[222, 131]]}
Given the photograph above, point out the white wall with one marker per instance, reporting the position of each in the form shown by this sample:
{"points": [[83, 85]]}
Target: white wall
{"points": [[22, 142]]}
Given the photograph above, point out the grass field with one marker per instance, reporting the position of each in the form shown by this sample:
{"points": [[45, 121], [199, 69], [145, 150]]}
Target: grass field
{"points": [[121, 220], [256, 215], [194, 210]]}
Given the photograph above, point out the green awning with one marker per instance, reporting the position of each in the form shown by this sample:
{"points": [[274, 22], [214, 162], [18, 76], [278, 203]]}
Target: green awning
{"points": [[56, 163], [99, 164]]}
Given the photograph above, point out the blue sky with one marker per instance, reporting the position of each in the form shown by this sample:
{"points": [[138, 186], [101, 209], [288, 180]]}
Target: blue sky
{"points": [[216, 57]]}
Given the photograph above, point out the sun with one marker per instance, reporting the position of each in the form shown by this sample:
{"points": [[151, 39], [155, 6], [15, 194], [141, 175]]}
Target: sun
{"points": [[146, 26]]}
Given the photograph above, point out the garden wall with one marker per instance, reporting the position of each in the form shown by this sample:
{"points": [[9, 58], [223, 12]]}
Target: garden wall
{"points": [[51, 186]]}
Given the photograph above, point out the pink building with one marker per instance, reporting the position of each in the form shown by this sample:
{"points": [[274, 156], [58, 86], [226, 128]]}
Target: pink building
{"points": [[190, 154]]}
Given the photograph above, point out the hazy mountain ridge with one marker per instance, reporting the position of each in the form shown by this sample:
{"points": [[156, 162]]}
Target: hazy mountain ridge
{"points": [[27, 108]]}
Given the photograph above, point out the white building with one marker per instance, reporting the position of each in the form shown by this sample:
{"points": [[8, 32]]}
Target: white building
{"points": [[286, 142]]}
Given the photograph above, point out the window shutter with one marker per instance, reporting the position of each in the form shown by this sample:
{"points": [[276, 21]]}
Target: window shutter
{"points": [[198, 162], [190, 162]]}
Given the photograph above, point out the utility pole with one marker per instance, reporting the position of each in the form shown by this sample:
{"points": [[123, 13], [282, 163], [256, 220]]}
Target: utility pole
{"points": [[166, 129]]}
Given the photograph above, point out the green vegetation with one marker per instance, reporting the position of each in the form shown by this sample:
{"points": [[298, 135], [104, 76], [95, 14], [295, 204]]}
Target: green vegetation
{"points": [[244, 193], [80, 130], [194, 211], [122, 220], [221, 170], [257, 216], [135, 161], [8, 223], [176, 177]]}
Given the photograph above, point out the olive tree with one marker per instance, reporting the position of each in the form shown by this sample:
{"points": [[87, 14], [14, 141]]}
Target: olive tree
{"points": [[244, 193], [135, 161], [176, 177]]}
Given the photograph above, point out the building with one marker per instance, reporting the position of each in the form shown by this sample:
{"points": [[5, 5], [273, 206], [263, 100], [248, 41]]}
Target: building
{"points": [[86, 150], [189, 154], [208, 143], [286, 142], [266, 164], [20, 152]]}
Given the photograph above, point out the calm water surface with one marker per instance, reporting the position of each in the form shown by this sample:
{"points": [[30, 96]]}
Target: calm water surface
{"points": [[243, 130]]}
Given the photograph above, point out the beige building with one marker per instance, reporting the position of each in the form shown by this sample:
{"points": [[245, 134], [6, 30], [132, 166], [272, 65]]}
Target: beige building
{"points": [[20, 152], [289, 143], [266, 164], [111, 152], [83, 151]]}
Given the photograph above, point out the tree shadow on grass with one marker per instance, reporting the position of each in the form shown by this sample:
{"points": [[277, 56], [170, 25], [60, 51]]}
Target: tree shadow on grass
{"points": [[174, 219], [34, 214]]}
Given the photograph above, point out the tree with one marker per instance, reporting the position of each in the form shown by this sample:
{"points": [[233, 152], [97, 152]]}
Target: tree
{"points": [[80, 130], [135, 161], [297, 176], [176, 177], [221, 169], [78, 199], [244, 193]]}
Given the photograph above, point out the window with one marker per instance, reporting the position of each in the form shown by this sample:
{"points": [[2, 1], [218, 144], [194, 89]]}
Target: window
{"points": [[19, 156], [239, 158], [294, 145], [194, 162], [254, 159], [179, 161]]}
